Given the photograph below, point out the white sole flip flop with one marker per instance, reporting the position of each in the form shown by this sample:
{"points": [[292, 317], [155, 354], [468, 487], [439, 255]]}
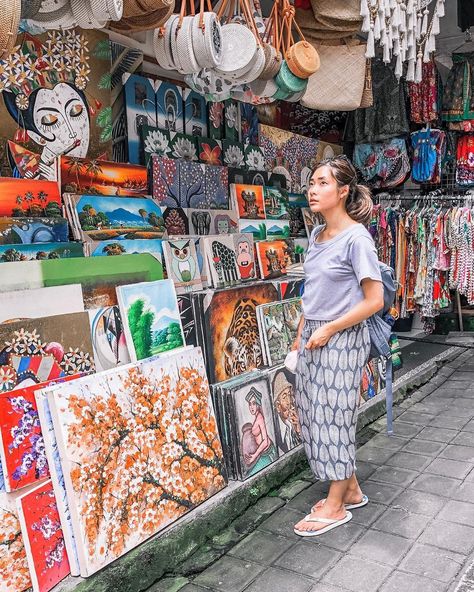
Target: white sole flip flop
{"points": [[330, 525], [364, 501]]}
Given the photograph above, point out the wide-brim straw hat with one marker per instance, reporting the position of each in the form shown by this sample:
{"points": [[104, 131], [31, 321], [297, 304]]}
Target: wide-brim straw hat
{"points": [[132, 8], [10, 14], [144, 22]]}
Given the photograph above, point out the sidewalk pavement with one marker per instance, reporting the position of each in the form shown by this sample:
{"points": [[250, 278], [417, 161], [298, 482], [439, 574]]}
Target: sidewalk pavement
{"points": [[416, 534]]}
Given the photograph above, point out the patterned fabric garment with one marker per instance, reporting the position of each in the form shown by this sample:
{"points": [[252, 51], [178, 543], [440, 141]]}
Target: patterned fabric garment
{"points": [[383, 164], [458, 95], [465, 161], [424, 96], [327, 397]]}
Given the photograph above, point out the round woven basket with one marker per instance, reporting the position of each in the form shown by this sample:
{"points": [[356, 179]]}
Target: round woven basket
{"points": [[10, 14], [132, 8], [144, 22], [30, 8]]}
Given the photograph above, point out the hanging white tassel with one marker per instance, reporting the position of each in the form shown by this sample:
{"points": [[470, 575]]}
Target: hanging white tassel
{"points": [[366, 24], [395, 33], [435, 24], [411, 71], [364, 8], [424, 26], [426, 52], [370, 53], [377, 29], [403, 19], [410, 38], [389, 39], [411, 7], [387, 8], [431, 43], [412, 52], [399, 68], [393, 4], [419, 68], [440, 9], [396, 47], [419, 21], [386, 53], [396, 17]]}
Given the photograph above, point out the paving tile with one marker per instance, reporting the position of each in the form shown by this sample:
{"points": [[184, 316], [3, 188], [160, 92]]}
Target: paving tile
{"points": [[278, 579], [306, 499], [456, 452], [437, 564], [307, 560], [282, 522], [409, 460], [448, 535], [364, 470], [419, 419], [382, 493], [324, 587], [394, 475], [461, 512], [341, 538], [456, 469], [388, 442], [464, 493], [443, 486], [402, 522], [454, 411], [368, 514], [373, 454], [411, 583], [464, 439], [382, 547], [261, 547], [192, 588], [436, 434], [469, 427], [229, 573], [470, 476], [356, 574], [424, 447], [461, 376], [453, 423], [405, 429]]}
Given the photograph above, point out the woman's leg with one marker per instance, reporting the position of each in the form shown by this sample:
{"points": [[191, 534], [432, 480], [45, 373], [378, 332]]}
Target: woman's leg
{"points": [[353, 493], [333, 508]]}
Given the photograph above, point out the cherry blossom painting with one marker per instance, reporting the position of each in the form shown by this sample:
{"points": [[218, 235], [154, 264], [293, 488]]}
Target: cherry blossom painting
{"points": [[43, 537], [165, 181], [14, 571], [139, 448]]}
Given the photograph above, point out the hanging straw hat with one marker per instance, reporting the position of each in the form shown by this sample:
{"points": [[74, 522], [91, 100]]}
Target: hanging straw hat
{"points": [[10, 13], [132, 8], [144, 22]]}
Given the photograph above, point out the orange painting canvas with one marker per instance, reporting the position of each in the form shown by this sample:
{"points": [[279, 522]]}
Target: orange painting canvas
{"points": [[26, 198], [248, 201], [273, 258], [139, 448], [101, 177]]}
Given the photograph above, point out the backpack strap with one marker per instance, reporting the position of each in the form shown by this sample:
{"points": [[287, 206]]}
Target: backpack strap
{"points": [[389, 395]]}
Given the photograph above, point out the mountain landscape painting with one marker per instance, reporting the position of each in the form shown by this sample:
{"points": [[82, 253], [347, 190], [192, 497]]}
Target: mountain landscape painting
{"points": [[103, 218]]}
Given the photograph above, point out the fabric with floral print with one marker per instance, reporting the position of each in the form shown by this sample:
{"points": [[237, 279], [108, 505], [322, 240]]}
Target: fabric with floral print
{"points": [[458, 96], [383, 165], [465, 158], [424, 96]]}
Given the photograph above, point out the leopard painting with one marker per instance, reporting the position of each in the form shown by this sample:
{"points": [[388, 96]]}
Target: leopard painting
{"points": [[242, 349]]}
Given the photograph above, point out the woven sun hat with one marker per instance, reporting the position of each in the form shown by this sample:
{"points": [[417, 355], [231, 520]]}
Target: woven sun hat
{"points": [[30, 8], [9, 22], [207, 40], [144, 22], [182, 47], [302, 59], [140, 7], [239, 46]]}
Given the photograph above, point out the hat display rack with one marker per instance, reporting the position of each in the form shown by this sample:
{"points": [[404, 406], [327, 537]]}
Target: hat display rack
{"points": [[405, 30], [64, 14]]}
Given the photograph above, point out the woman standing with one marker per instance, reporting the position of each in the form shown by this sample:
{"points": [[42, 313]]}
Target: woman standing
{"points": [[343, 287]]}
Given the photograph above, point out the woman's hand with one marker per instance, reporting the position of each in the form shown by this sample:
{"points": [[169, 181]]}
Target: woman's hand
{"points": [[296, 343], [320, 337]]}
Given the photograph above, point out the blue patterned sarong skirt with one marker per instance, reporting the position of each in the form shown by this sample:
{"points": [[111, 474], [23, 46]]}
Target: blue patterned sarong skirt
{"points": [[327, 397]]}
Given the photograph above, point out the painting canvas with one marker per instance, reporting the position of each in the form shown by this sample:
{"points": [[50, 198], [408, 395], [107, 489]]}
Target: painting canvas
{"points": [[101, 177], [254, 158], [192, 185], [232, 121], [165, 181], [248, 201], [35, 350], [17, 231], [257, 228], [40, 251], [224, 222], [292, 311], [277, 229], [154, 141], [243, 245], [296, 221], [249, 124], [103, 218], [43, 537], [125, 246], [25, 198], [182, 266], [287, 425], [98, 276], [309, 221], [184, 147], [171, 451], [140, 108], [276, 340], [273, 258], [276, 203], [41, 302], [169, 106], [216, 120], [233, 154], [209, 151], [21, 442], [108, 338], [176, 221], [14, 573], [66, 68], [200, 222], [289, 154], [231, 321], [254, 426], [151, 318], [217, 187], [195, 113], [222, 261]]}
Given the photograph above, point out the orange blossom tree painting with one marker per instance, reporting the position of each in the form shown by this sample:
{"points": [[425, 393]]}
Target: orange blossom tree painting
{"points": [[139, 448]]}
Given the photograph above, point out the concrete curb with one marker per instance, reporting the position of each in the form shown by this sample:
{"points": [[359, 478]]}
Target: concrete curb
{"points": [[215, 526]]}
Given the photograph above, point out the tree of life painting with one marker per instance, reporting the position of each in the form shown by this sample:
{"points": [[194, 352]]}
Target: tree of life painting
{"points": [[139, 448]]}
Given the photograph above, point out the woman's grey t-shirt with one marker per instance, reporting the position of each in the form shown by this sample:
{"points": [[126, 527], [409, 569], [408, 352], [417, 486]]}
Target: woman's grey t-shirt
{"points": [[334, 270]]}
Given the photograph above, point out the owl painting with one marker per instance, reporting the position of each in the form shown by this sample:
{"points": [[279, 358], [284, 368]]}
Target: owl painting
{"points": [[182, 266]]}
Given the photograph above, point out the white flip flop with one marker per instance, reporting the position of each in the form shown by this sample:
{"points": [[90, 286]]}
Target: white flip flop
{"points": [[330, 525], [364, 501]]}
